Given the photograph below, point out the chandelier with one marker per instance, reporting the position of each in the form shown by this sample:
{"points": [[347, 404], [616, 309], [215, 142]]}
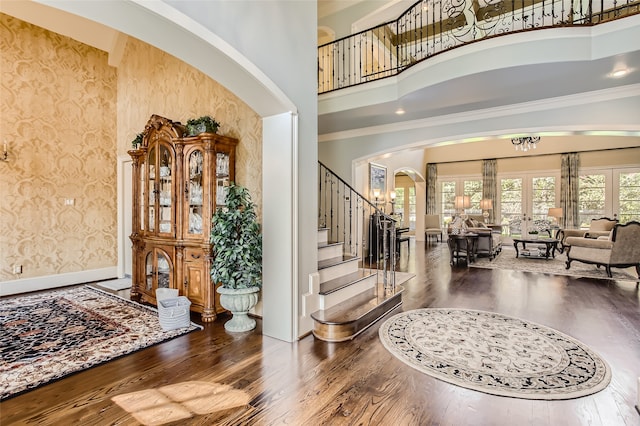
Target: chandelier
{"points": [[525, 143]]}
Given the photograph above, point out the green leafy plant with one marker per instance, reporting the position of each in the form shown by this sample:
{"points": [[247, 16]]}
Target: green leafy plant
{"points": [[195, 126], [533, 232], [236, 242], [137, 140]]}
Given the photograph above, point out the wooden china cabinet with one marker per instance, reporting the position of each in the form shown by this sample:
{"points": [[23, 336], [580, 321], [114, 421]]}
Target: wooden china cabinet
{"points": [[178, 182]]}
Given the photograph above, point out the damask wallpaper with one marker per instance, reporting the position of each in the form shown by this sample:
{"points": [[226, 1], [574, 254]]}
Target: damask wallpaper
{"points": [[58, 117], [153, 82], [67, 115]]}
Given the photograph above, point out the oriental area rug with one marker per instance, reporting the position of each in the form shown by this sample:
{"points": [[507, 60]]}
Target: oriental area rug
{"points": [[495, 354], [507, 260], [46, 336]]}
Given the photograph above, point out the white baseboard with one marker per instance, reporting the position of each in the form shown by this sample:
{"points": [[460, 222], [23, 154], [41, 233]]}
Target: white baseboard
{"points": [[46, 282]]}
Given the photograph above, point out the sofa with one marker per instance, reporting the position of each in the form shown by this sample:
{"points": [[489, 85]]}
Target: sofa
{"points": [[598, 228], [489, 239], [619, 248]]}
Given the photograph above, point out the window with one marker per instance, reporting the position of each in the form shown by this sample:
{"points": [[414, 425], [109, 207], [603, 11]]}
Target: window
{"points": [[473, 189], [510, 199], [628, 196], [412, 208], [543, 196], [592, 191], [447, 198], [399, 206]]}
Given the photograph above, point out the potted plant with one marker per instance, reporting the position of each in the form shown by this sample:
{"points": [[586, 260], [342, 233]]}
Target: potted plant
{"points": [[204, 124], [533, 234], [237, 256], [137, 141]]}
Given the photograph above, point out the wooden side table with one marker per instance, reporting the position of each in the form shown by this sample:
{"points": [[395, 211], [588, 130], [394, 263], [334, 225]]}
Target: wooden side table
{"points": [[463, 246]]}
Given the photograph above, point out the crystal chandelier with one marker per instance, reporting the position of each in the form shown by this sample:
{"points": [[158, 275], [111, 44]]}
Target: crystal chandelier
{"points": [[525, 143]]}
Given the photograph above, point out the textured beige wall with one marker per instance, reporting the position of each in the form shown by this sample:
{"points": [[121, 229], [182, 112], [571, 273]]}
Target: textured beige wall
{"points": [[177, 91], [58, 115], [67, 115]]}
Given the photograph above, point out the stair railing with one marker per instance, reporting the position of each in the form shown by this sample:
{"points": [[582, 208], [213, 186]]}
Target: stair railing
{"points": [[363, 227], [430, 27]]}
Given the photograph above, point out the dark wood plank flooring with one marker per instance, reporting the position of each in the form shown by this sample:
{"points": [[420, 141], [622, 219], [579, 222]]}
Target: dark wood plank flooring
{"points": [[250, 379]]}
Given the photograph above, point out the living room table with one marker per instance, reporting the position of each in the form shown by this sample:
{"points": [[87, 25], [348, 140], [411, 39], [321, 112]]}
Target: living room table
{"points": [[458, 251], [551, 245]]}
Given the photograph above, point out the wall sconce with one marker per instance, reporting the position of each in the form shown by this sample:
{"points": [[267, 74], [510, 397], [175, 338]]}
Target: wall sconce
{"points": [[376, 195], [392, 195], [5, 153], [486, 204]]}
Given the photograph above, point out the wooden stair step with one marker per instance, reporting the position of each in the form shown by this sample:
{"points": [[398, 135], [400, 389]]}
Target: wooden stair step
{"points": [[346, 320], [339, 283], [327, 263], [328, 244]]}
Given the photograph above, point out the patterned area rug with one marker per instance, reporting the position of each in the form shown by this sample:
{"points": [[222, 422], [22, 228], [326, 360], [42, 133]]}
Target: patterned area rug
{"points": [[495, 354], [49, 335], [507, 260]]}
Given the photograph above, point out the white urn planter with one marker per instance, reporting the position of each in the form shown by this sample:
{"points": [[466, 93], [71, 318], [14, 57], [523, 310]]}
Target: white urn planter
{"points": [[239, 302]]}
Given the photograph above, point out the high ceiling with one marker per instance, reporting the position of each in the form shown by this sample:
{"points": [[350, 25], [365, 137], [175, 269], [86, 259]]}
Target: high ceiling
{"points": [[471, 91], [492, 77], [487, 89]]}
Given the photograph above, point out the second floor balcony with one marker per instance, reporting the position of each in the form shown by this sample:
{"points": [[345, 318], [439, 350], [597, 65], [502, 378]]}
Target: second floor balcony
{"points": [[430, 27]]}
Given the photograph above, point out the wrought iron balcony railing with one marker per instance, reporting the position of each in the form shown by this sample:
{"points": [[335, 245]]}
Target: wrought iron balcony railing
{"points": [[430, 27]]}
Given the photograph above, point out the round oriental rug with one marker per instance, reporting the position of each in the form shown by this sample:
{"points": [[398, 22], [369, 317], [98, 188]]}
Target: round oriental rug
{"points": [[495, 354]]}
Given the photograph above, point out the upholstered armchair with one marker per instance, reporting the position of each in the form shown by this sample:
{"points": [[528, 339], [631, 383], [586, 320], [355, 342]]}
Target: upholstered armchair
{"points": [[598, 228], [619, 249]]}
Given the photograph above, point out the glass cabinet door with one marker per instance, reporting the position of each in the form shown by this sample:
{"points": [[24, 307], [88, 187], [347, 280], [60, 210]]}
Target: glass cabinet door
{"points": [[165, 186], [142, 194], [151, 189], [149, 271], [195, 192], [159, 189], [157, 270], [222, 177]]}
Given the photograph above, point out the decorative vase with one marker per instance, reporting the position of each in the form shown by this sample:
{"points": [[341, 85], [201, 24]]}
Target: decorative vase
{"points": [[533, 236], [239, 301]]}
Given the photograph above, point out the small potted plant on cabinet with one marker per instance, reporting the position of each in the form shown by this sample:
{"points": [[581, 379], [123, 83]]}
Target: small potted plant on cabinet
{"points": [[195, 126], [533, 234], [137, 141], [237, 257]]}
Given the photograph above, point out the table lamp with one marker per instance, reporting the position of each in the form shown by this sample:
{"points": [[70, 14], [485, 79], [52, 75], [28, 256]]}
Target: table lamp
{"points": [[555, 212], [486, 204]]}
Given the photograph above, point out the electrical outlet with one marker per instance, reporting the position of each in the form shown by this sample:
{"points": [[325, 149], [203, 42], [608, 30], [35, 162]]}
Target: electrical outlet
{"points": [[69, 201], [17, 269]]}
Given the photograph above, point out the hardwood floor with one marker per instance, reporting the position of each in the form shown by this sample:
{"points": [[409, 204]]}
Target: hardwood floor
{"points": [[250, 379]]}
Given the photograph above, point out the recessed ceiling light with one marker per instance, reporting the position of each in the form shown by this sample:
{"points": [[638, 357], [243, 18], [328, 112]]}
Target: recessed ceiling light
{"points": [[619, 73], [400, 111]]}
